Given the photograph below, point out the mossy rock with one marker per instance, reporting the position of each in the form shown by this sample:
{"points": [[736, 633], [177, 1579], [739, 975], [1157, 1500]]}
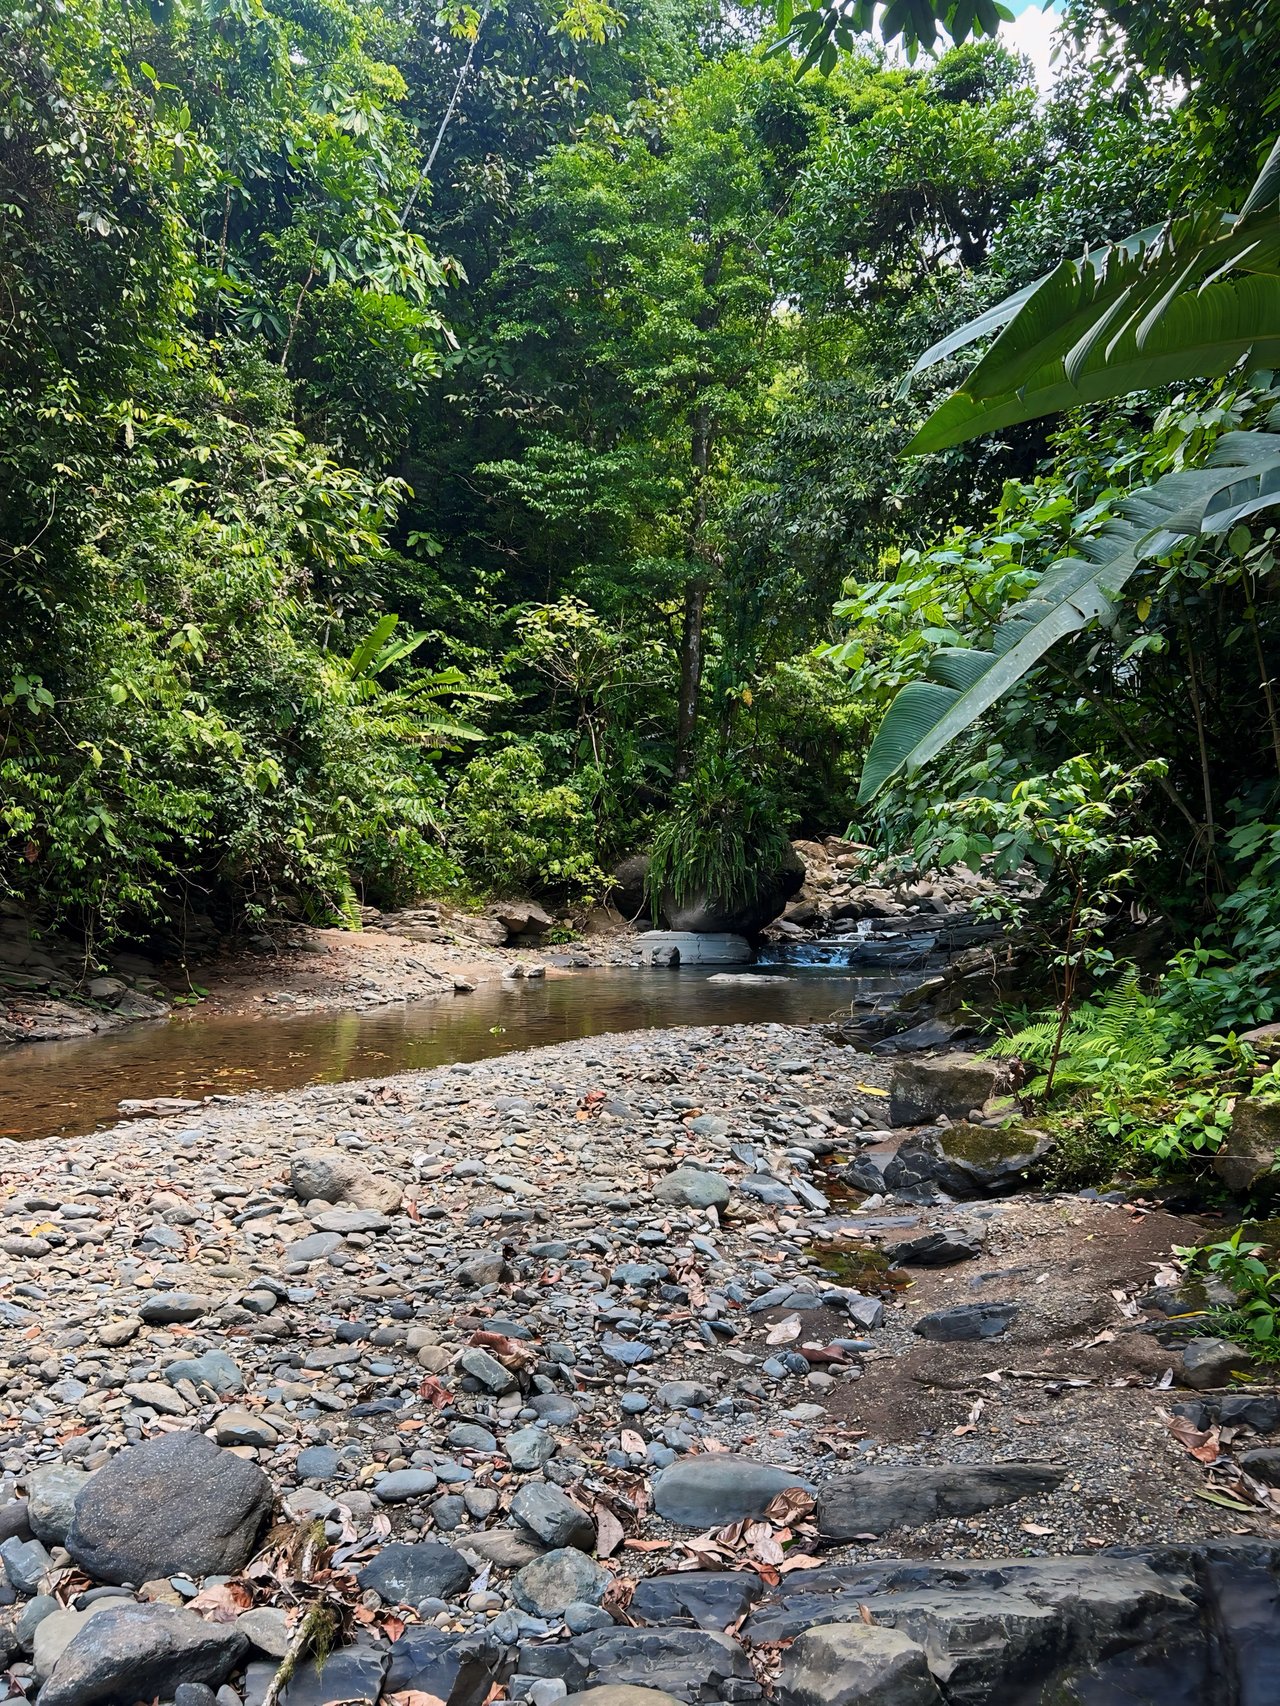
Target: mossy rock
{"points": [[1247, 1160], [982, 1160]]}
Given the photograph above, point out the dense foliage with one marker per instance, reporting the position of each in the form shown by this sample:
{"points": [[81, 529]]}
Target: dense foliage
{"points": [[454, 450]]}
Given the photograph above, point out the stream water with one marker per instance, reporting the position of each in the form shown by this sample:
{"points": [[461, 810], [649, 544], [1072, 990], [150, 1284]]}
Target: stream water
{"points": [[53, 1088]]}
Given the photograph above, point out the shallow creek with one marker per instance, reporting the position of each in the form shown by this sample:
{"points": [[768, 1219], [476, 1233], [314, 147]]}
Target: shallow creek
{"points": [[50, 1088]]}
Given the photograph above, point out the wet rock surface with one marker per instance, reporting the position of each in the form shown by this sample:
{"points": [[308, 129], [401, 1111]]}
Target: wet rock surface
{"points": [[451, 1353]]}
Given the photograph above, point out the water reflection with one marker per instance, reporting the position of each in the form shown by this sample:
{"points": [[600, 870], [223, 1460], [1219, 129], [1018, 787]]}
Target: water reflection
{"points": [[49, 1088]]}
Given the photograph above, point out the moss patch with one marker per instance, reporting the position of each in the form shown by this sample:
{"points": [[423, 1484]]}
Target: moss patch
{"points": [[983, 1144], [862, 1267]]}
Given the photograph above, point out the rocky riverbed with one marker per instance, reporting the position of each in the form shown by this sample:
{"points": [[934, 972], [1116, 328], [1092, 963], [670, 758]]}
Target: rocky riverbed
{"points": [[582, 1369]]}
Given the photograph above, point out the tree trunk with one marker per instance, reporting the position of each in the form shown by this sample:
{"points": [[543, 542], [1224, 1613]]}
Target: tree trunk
{"points": [[695, 600]]}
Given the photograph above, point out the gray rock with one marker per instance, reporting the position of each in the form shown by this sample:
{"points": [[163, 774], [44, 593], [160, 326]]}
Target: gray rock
{"points": [[469, 1436], [317, 1463], [1252, 1144], [967, 1321], [489, 1267], [487, 1370], [935, 1249], [172, 1308], [1263, 1465], [685, 1395], [856, 1664], [173, 1505], [312, 1249], [345, 1220], [55, 1633], [25, 1563], [458, 1670], [711, 1489], [334, 1176], [695, 1665], [693, 1187], [401, 1484], [556, 1580], [711, 1599], [553, 1517], [883, 1497], [351, 1675], [508, 1548], [950, 1084], [1213, 1362], [30, 1617], [403, 1574], [52, 1492], [243, 1427], [130, 1651], [529, 1448], [194, 1694], [214, 1369], [266, 1630], [14, 1520]]}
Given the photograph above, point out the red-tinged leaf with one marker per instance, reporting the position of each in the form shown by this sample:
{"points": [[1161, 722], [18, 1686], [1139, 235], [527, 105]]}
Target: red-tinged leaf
{"points": [[799, 1561], [412, 1697], [647, 1545]]}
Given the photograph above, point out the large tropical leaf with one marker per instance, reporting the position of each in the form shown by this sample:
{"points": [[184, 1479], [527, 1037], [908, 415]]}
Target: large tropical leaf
{"points": [[1190, 306], [1243, 476], [1187, 300]]}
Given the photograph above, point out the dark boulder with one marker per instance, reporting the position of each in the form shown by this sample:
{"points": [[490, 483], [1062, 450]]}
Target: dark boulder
{"points": [[175, 1505]]}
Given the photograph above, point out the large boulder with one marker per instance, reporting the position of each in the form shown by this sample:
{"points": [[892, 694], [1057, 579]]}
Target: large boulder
{"points": [[175, 1505], [628, 889], [334, 1176], [523, 918], [128, 1652], [742, 913], [1249, 1155], [950, 1084]]}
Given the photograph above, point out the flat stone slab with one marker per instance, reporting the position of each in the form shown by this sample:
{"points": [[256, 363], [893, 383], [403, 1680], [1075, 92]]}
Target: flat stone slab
{"points": [[710, 1489], [884, 1497], [695, 947], [967, 1321]]}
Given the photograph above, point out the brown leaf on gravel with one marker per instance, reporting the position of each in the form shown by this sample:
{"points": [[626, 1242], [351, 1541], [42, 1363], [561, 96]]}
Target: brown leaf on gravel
{"points": [[435, 1392], [1203, 1444], [609, 1532], [412, 1697], [647, 1545], [511, 1353], [221, 1604]]}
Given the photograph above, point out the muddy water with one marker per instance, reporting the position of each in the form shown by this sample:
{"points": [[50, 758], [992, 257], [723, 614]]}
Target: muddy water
{"points": [[50, 1088]]}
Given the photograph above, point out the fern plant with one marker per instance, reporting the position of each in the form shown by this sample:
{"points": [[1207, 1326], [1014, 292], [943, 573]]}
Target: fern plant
{"points": [[1121, 1030], [1121, 1078]]}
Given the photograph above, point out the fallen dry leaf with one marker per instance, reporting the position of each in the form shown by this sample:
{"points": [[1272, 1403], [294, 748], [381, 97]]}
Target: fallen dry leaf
{"points": [[783, 1332], [221, 1604], [791, 1505]]}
